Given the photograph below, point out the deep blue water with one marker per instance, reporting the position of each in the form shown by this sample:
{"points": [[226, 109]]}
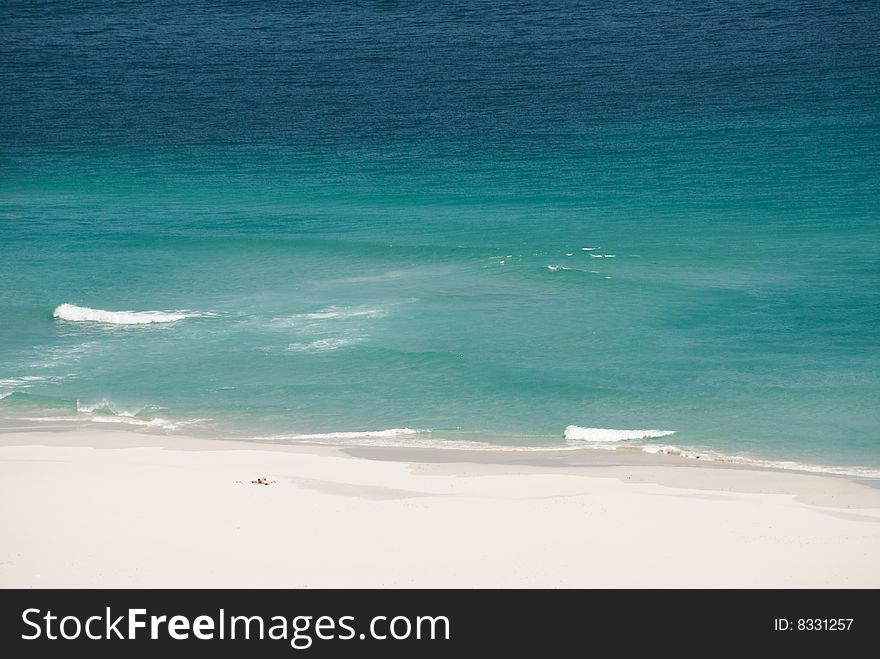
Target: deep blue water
{"points": [[373, 217]]}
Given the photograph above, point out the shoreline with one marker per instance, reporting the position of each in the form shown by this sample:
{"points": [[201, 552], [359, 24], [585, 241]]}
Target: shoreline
{"points": [[471, 448], [122, 508]]}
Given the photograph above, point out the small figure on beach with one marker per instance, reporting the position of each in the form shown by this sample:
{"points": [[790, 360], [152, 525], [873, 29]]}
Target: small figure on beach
{"points": [[262, 480]]}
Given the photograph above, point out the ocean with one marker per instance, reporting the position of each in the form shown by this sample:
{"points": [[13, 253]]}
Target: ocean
{"points": [[531, 225]]}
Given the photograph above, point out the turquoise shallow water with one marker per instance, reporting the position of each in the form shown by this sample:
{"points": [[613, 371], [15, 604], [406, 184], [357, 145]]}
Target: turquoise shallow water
{"points": [[373, 218]]}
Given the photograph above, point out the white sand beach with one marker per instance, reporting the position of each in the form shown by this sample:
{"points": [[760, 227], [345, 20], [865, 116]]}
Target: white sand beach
{"points": [[115, 508]]}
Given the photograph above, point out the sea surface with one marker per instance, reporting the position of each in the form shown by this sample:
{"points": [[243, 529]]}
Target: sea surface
{"points": [[534, 225]]}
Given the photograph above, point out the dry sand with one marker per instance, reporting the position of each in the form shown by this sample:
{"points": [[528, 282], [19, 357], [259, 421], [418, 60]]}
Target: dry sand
{"points": [[115, 508]]}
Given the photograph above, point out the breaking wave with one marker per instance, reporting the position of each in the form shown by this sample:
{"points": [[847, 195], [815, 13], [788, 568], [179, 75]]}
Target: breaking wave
{"points": [[105, 411], [602, 435], [73, 313]]}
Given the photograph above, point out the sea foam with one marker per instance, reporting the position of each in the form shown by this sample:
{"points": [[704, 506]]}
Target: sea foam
{"points": [[321, 345], [72, 312], [342, 312], [577, 433], [354, 434], [105, 411], [788, 465], [24, 381]]}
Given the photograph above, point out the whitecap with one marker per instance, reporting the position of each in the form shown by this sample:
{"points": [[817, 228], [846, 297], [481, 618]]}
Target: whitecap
{"points": [[25, 380], [105, 411], [337, 312], [601, 435], [107, 406], [321, 345], [74, 313]]}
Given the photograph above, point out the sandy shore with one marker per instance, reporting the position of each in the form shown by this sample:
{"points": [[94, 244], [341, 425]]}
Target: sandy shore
{"points": [[119, 508]]}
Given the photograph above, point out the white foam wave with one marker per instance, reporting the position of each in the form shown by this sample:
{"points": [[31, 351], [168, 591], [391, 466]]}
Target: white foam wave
{"points": [[156, 422], [25, 381], [353, 434], [390, 438], [856, 472], [105, 411], [108, 407], [5, 394], [337, 312], [84, 418], [72, 312], [788, 465], [321, 345], [656, 449], [422, 443], [602, 435]]}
